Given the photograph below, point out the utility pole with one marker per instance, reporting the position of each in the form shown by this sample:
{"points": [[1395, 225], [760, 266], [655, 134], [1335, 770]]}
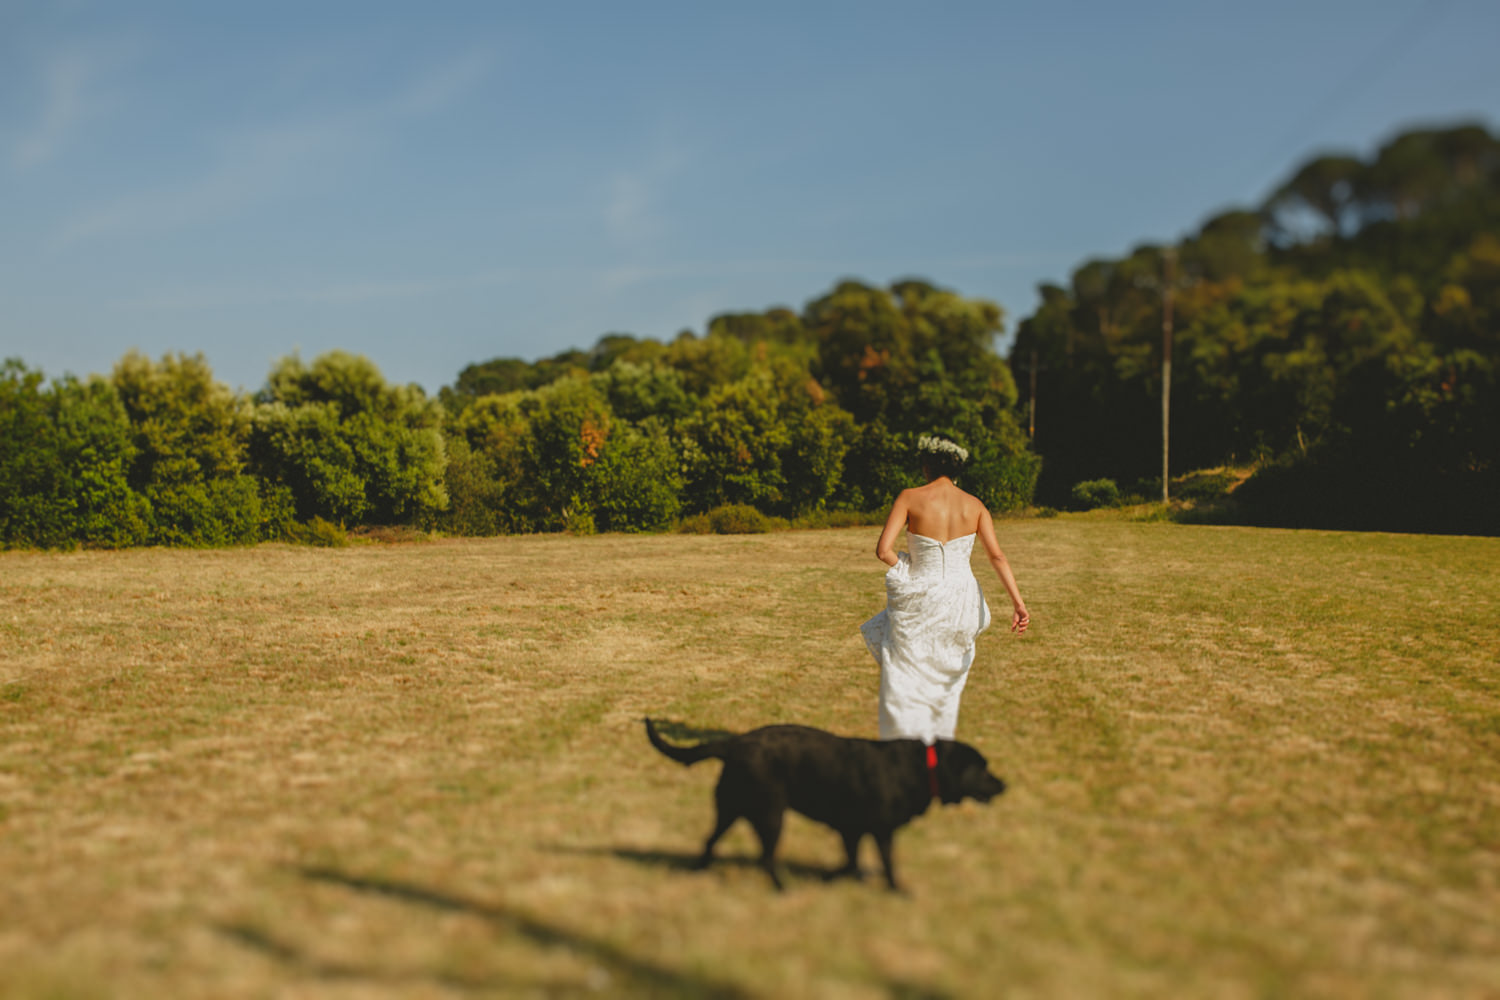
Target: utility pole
{"points": [[1169, 261], [1032, 430], [1032, 366]]}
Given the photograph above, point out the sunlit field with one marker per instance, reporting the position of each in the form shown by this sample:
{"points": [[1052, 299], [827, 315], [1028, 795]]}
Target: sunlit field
{"points": [[1243, 763]]}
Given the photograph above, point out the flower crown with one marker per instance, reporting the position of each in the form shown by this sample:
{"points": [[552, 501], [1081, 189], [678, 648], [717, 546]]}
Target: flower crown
{"points": [[942, 446]]}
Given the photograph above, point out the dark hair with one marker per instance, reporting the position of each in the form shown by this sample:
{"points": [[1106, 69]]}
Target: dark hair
{"points": [[941, 463]]}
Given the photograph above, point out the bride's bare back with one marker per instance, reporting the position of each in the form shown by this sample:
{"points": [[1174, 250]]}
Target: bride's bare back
{"points": [[942, 511]]}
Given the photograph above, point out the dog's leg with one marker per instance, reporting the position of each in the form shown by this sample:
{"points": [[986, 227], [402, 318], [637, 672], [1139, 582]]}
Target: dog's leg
{"points": [[768, 828], [707, 857], [727, 812], [883, 841], [851, 852]]}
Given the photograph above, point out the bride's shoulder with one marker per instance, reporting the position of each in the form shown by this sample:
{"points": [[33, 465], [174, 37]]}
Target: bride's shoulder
{"points": [[974, 507]]}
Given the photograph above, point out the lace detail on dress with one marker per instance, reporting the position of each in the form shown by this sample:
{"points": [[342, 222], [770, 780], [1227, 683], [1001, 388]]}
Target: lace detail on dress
{"points": [[924, 639]]}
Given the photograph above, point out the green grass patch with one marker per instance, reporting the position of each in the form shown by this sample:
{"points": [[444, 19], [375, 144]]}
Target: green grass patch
{"points": [[1242, 763]]}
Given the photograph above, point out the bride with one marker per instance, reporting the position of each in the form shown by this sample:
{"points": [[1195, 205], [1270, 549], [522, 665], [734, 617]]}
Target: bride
{"points": [[924, 639]]}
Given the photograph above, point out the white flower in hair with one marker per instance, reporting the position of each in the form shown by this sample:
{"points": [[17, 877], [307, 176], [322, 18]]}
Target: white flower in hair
{"points": [[938, 444]]}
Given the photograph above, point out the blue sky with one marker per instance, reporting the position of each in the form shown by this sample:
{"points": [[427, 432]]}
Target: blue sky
{"points": [[437, 184]]}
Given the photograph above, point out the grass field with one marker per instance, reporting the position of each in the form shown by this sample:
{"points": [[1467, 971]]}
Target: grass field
{"points": [[1243, 763]]}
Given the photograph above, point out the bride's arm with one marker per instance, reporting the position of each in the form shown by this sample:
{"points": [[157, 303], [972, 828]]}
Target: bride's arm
{"points": [[1019, 618], [885, 549]]}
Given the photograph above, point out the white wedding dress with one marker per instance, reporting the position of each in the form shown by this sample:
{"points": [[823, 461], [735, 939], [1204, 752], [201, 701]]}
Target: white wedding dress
{"points": [[924, 639]]}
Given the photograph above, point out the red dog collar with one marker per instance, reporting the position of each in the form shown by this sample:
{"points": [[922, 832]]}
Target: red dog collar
{"points": [[932, 768]]}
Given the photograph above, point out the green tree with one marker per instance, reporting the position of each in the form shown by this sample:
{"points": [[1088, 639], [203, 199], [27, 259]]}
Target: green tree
{"points": [[865, 349], [637, 392], [567, 426], [350, 447], [65, 452], [733, 446], [191, 434], [778, 326], [1353, 351], [636, 484], [819, 436], [1229, 246], [912, 360], [706, 363], [187, 425], [622, 347], [487, 446], [1321, 199]]}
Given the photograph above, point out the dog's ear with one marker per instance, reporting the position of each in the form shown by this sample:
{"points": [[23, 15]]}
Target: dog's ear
{"points": [[964, 773], [951, 765], [971, 755]]}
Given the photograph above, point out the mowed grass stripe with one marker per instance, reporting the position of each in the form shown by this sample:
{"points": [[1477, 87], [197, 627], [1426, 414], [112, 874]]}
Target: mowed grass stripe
{"points": [[1243, 763]]}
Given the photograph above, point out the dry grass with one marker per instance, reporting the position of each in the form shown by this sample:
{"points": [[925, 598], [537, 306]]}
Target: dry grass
{"points": [[1243, 763]]}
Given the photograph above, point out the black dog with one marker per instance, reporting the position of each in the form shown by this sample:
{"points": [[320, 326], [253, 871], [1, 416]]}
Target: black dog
{"points": [[856, 786]]}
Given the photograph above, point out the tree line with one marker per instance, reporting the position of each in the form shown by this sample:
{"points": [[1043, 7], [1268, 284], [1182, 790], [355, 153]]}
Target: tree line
{"points": [[787, 414], [1343, 337]]}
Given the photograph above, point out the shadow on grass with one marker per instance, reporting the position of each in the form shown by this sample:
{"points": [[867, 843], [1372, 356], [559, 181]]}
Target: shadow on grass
{"points": [[915, 991], [304, 963], [682, 861], [681, 732], [688, 861], [627, 973]]}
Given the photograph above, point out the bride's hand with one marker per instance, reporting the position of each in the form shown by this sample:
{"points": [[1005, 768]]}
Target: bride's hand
{"points": [[1019, 619]]}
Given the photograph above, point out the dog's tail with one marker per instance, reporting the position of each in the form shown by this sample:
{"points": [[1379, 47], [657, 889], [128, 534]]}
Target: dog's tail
{"points": [[684, 755]]}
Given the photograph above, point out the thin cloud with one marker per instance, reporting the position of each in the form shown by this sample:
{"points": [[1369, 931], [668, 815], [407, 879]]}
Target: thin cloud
{"points": [[628, 216], [445, 85], [256, 165], [253, 166], [361, 292], [616, 279], [74, 88], [342, 293], [634, 211]]}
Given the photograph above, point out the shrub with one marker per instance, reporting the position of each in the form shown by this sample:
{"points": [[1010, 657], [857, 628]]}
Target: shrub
{"points": [[64, 454], [578, 520], [349, 446], [388, 534], [1204, 486], [477, 497], [738, 519], [879, 465], [839, 519], [732, 447], [216, 512], [278, 511], [1005, 481], [1093, 493], [813, 461], [697, 524], [317, 531], [568, 424], [635, 485]]}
